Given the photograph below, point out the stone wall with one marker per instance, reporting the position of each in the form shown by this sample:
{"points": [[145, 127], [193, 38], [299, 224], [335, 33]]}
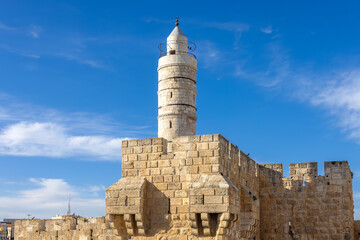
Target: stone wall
{"points": [[68, 227], [306, 205], [203, 187], [196, 189]]}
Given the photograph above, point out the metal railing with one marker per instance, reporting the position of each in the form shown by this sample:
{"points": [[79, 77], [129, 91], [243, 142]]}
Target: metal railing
{"points": [[164, 51]]}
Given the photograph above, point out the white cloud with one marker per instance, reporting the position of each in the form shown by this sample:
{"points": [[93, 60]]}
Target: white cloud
{"points": [[6, 27], [49, 197], [209, 54], [34, 31], [339, 94], [30, 55], [84, 61], [31, 130], [336, 91], [275, 74], [230, 26], [13, 111], [237, 28], [52, 140], [267, 30]]}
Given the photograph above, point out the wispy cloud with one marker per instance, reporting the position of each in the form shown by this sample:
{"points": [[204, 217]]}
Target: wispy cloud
{"points": [[341, 97], [209, 54], [6, 27], [267, 30], [276, 72], [89, 62], [30, 55], [49, 197], [336, 91], [34, 31], [23, 53], [30, 130], [52, 140], [229, 26], [158, 20], [236, 27]]}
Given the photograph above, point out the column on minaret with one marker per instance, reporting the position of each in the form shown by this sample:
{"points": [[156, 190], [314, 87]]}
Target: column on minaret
{"points": [[177, 88]]}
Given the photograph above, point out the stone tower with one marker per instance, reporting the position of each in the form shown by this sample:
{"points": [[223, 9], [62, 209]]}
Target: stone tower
{"points": [[177, 87]]}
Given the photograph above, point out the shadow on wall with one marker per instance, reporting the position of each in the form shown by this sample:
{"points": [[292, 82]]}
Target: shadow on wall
{"points": [[157, 210]]}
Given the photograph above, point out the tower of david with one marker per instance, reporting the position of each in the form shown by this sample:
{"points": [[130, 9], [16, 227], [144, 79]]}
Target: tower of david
{"points": [[180, 185]]}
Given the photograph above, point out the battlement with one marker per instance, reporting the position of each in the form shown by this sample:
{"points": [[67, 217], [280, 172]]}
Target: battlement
{"points": [[334, 169]]}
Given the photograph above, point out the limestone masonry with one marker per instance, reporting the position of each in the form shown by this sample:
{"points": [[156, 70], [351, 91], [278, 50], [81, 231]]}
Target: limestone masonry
{"points": [[185, 186]]}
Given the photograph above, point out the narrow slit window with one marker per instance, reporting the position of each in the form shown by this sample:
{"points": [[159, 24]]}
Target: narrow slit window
{"points": [[170, 94], [170, 124], [169, 206], [303, 181]]}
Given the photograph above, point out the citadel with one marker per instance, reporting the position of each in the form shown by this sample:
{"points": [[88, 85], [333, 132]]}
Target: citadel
{"points": [[187, 186]]}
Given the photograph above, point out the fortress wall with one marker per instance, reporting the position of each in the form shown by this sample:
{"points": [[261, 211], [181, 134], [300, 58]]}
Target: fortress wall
{"points": [[203, 187], [69, 227], [306, 204], [243, 173]]}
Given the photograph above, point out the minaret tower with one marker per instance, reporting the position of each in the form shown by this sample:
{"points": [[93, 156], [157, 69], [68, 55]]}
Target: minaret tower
{"points": [[177, 87]]}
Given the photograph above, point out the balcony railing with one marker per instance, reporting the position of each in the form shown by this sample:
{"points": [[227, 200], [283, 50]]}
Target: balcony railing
{"points": [[163, 47]]}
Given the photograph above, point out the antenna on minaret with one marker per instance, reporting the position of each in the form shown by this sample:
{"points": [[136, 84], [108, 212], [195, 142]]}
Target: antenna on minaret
{"points": [[177, 21], [69, 206]]}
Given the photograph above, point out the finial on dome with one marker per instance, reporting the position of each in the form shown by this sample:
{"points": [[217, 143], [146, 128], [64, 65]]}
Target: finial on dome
{"points": [[177, 21]]}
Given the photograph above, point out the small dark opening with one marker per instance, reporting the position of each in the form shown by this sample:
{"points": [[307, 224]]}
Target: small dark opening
{"points": [[172, 52], [199, 224], [133, 223], [214, 223], [169, 206], [126, 200], [170, 94], [170, 124]]}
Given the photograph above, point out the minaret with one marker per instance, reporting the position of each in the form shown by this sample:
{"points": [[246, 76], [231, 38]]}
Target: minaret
{"points": [[177, 87]]}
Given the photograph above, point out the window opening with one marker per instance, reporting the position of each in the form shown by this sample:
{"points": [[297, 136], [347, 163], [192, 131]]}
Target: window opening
{"points": [[303, 181]]}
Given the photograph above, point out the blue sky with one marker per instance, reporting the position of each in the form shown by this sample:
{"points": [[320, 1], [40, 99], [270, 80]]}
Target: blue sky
{"points": [[279, 79]]}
